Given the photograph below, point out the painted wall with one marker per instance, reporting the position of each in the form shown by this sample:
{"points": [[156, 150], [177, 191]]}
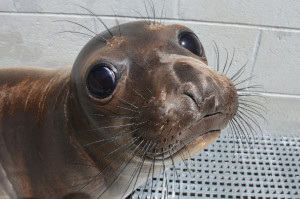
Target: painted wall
{"points": [[264, 33]]}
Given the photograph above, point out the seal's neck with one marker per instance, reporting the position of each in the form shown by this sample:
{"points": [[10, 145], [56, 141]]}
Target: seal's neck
{"points": [[32, 91], [33, 132]]}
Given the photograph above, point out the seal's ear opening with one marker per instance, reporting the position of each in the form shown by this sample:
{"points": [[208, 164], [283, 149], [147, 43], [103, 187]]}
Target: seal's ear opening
{"points": [[191, 42], [101, 80]]}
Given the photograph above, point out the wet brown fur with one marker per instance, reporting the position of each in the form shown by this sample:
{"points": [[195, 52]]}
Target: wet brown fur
{"points": [[166, 95]]}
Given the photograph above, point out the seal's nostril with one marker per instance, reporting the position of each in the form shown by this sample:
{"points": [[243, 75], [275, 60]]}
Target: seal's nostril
{"points": [[192, 96]]}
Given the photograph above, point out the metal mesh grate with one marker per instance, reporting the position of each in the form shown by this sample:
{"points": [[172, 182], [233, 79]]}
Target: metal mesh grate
{"points": [[270, 169]]}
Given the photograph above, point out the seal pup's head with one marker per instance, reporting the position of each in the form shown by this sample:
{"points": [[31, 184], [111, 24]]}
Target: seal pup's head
{"points": [[145, 93]]}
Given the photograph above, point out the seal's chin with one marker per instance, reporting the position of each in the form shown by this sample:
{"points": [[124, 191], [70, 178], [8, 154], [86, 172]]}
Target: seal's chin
{"points": [[190, 149], [198, 144], [197, 137], [202, 134]]}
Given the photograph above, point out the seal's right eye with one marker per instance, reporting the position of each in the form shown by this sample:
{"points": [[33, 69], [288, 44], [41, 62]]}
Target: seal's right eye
{"points": [[101, 81]]}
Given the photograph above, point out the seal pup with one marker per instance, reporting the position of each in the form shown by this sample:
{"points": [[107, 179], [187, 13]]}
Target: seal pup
{"points": [[137, 96]]}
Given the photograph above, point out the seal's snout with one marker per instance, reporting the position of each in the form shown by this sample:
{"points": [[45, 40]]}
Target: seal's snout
{"points": [[203, 99], [195, 102], [210, 91]]}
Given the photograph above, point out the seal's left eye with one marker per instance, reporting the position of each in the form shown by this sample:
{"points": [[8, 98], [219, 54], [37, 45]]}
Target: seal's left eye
{"points": [[191, 42], [101, 81]]}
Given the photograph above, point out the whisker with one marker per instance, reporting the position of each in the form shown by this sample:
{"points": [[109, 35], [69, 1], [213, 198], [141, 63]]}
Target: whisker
{"points": [[162, 11], [153, 172], [136, 62], [138, 94], [174, 172], [146, 62], [139, 166], [143, 159], [155, 149], [217, 54], [137, 12], [128, 103], [237, 133], [117, 126], [182, 156], [239, 73], [173, 164], [117, 22], [250, 117], [253, 111], [249, 78], [151, 4], [132, 155], [253, 107], [125, 108], [115, 150], [165, 183], [79, 33], [110, 139], [124, 101], [107, 166], [189, 155], [149, 90], [253, 131], [115, 116], [97, 35], [232, 132], [148, 175], [250, 87], [225, 65], [242, 130], [249, 101], [230, 64], [250, 94], [146, 8], [93, 14]]}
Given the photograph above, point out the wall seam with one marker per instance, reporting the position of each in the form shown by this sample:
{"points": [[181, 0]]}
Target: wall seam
{"points": [[241, 25], [177, 9], [255, 55], [14, 4]]}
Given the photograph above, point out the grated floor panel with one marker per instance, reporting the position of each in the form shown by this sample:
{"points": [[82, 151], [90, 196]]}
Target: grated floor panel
{"points": [[268, 168]]}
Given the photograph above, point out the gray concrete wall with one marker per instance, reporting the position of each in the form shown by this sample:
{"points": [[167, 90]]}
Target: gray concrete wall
{"points": [[264, 33]]}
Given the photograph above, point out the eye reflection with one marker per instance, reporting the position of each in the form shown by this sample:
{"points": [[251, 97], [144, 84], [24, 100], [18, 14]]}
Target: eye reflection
{"points": [[101, 81]]}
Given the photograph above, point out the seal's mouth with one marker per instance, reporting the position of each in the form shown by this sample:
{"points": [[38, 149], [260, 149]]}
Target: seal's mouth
{"points": [[191, 148], [199, 136], [194, 146]]}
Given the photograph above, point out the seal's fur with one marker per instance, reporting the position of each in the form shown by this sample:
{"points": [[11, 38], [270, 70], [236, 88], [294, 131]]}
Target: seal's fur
{"points": [[57, 139]]}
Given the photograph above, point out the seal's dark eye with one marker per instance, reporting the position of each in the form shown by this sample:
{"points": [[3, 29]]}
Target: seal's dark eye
{"points": [[101, 81], [192, 43]]}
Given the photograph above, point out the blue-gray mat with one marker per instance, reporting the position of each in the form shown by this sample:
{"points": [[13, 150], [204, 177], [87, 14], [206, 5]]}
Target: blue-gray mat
{"points": [[267, 169]]}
